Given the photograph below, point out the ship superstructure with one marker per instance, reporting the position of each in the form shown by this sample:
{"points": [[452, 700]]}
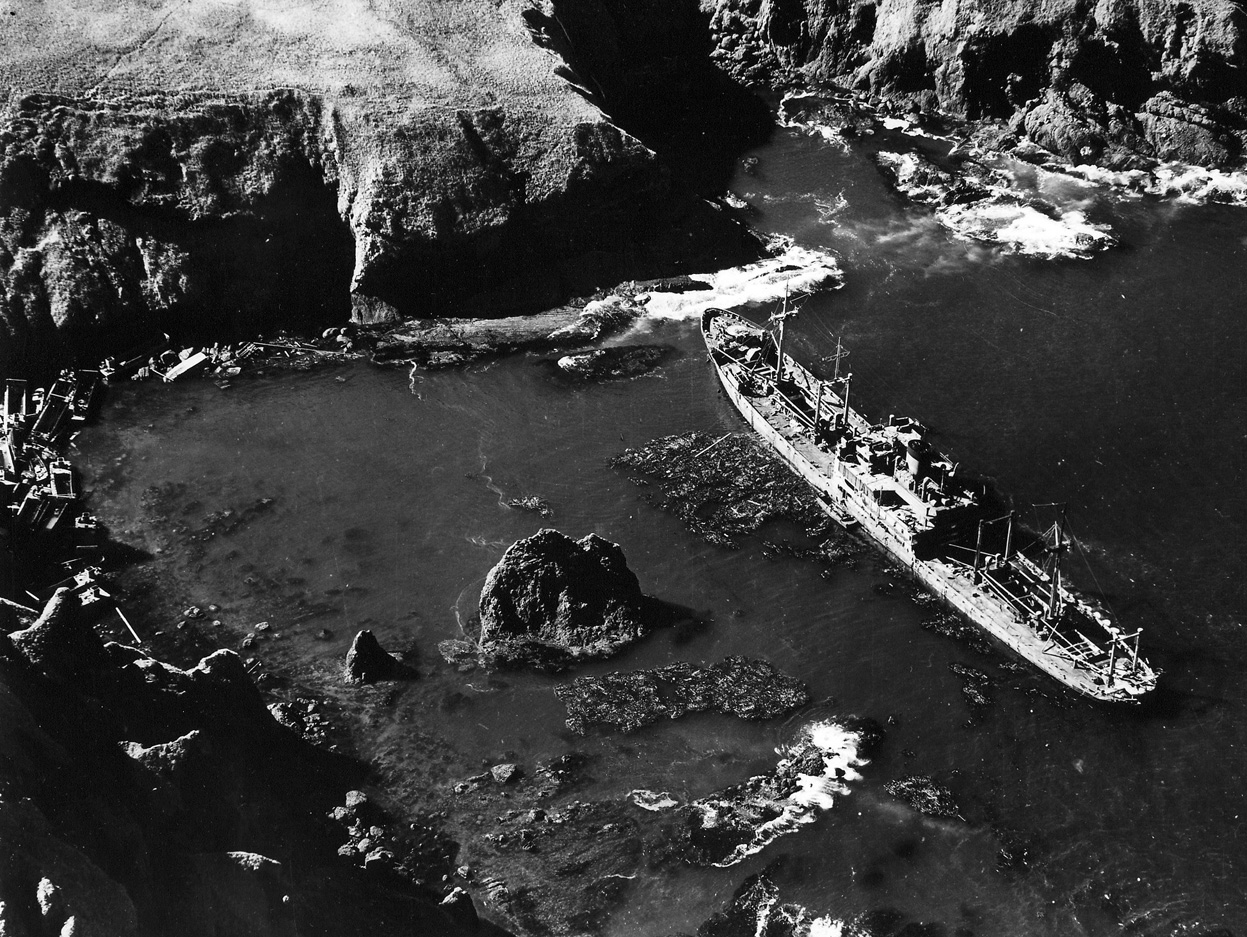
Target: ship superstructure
{"points": [[910, 499]]}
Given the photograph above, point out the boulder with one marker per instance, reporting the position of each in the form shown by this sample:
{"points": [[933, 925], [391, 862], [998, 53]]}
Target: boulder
{"points": [[48, 886], [367, 662], [60, 643], [505, 773], [552, 600]]}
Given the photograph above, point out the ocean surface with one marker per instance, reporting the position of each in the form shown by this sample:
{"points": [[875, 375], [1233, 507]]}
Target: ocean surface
{"points": [[1115, 384]]}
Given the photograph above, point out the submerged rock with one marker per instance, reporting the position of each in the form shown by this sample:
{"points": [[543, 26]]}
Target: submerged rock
{"points": [[367, 662], [925, 795], [976, 687], [726, 827], [532, 503], [738, 686], [551, 600], [617, 361], [980, 203], [756, 910]]}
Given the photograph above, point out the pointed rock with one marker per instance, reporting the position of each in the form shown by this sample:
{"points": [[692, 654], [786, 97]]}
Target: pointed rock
{"points": [[367, 662]]}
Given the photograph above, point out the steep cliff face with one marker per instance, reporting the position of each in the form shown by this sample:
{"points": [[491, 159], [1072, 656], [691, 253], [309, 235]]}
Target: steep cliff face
{"points": [[1104, 82], [330, 159]]}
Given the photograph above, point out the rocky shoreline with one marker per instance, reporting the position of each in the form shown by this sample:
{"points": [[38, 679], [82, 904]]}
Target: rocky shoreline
{"points": [[133, 202]]}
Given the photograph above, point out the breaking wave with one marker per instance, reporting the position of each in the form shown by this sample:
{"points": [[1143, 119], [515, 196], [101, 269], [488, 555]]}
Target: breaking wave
{"points": [[840, 748], [794, 271], [1022, 229]]}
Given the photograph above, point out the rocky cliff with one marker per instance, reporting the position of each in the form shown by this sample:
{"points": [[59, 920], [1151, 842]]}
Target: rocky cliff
{"points": [[215, 171], [1113, 82], [139, 798]]}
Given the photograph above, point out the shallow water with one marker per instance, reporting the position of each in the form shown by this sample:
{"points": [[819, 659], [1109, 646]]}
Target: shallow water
{"points": [[1114, 384]]}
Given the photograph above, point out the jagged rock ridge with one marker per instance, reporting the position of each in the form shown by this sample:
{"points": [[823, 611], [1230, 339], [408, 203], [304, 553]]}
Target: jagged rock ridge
{"points": [[1108, 83]]}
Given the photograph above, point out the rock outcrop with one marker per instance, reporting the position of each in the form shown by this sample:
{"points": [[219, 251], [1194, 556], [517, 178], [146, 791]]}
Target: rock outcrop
{"points": [[1111, 84], [552, 600], [212, 172], [138, 798], [368, 662]]}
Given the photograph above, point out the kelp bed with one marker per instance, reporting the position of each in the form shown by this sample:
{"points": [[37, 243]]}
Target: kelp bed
{"points": [[727, 487]]}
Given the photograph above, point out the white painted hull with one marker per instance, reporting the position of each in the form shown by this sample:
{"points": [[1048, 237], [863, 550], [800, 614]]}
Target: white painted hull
{"points": [[945, 580]]}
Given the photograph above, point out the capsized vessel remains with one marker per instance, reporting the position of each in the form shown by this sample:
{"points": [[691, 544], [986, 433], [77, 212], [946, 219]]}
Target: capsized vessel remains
{"points": [[909, 499]]}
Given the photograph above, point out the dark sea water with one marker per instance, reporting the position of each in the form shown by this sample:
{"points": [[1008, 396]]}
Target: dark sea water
{"points": [[1116, 385]]}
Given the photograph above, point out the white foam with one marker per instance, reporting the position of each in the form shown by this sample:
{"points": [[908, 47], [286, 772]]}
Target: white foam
{"points": [[826, 927], [794, 271], [653, 800], [839, 747], [1196, 184], [1177, 181], [1021, 229]]}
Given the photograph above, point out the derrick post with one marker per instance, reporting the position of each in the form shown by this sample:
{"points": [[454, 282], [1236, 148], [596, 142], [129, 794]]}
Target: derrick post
{"points": [[978, 552]]}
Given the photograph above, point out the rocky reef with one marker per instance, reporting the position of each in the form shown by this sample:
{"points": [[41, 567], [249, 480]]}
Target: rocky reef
{"points": [[737, 686], [1120, 85], [812, 772], [552, 600]]}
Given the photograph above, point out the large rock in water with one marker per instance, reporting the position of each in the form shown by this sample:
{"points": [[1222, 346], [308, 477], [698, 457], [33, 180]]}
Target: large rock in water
{"points": [[368, 662], [551, 600]]}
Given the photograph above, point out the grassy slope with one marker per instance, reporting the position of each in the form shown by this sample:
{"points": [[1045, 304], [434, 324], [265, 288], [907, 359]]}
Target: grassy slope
{"points": [[413, 54]]}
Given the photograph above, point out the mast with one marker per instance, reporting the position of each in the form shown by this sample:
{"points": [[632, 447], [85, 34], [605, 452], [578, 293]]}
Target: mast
{"points": [[844, 411], [1009, 538], [1055, 597], [978, 550], [779, 342], [818, 406]]}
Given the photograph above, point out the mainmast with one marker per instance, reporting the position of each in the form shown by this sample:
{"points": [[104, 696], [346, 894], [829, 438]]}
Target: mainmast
{"points": [[779, 341], [1054, 598]]}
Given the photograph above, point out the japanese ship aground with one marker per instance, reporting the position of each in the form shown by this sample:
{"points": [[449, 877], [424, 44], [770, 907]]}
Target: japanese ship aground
{"points": [[909, 498]]}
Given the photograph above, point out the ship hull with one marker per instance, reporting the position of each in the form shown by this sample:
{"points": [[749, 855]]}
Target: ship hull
{"points": [[950, 583]]}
